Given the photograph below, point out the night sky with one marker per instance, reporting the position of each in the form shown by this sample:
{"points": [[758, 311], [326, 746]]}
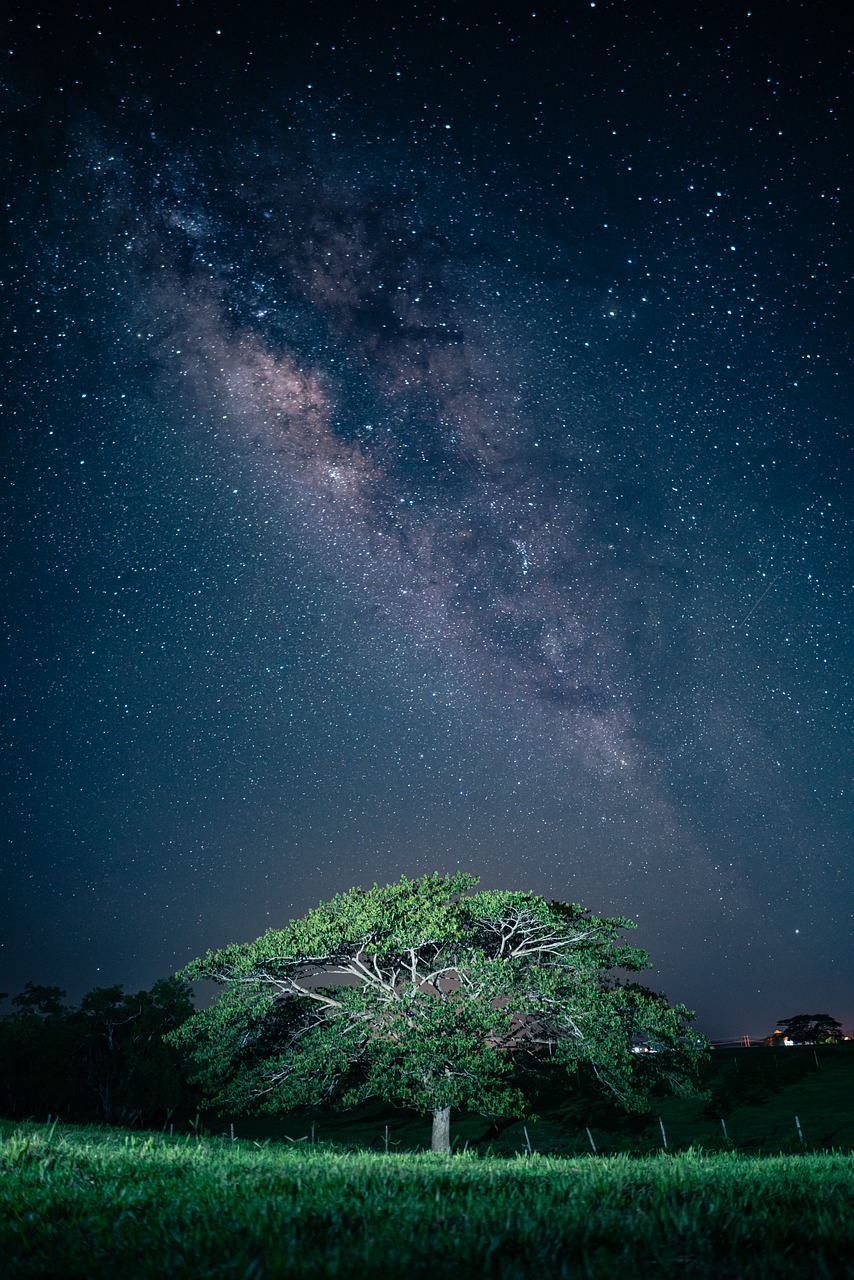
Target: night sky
{"points": [[424, 448]]}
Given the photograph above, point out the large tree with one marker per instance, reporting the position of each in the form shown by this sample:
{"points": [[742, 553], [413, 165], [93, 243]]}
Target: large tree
{"points": [[429, 995], [807, 1028]]}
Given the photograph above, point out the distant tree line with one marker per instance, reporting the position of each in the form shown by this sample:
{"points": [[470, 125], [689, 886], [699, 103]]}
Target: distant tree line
{"points": [[103, 1060]]}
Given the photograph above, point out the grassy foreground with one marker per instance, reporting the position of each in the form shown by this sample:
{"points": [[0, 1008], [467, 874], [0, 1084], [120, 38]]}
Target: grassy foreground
{"points": [[77, 1202]]}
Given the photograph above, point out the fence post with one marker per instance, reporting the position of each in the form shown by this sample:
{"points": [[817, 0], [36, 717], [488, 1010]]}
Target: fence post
{"points": [[799, 1129]]}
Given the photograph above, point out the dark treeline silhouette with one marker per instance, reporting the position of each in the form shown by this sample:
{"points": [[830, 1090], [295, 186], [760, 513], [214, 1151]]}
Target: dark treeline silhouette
{"points": [[103, 1060], [811, 1028]]}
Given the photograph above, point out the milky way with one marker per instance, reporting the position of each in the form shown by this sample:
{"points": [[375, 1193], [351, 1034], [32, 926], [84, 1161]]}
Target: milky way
{"points": [[467, 506], [418, 497]]}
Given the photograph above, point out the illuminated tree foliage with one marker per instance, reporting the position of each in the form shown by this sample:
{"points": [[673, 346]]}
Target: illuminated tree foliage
{"points": [[430, 995]]}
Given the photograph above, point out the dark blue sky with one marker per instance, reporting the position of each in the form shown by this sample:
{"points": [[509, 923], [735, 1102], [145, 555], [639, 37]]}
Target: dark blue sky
{"points": [[424, 441]]}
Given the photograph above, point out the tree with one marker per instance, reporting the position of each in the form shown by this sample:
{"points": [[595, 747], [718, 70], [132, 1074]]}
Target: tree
{"points": [[811, 1028], [126, 1069], [47, 1002], [34, 1053], [104, 1058], [429, 995]]}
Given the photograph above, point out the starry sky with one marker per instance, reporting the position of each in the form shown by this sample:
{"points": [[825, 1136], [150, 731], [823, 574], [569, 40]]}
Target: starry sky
{"points": [[424, 447]]}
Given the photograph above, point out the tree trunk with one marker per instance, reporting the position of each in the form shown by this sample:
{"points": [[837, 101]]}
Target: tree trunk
{"points": [[441, 1130]]}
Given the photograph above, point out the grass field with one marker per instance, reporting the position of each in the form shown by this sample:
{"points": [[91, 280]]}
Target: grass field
{"points": [[80, 1202]]}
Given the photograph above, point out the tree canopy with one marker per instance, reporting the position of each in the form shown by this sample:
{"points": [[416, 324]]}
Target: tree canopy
{"points": [[430, 995], [103, 1059], [808, 1028]]}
